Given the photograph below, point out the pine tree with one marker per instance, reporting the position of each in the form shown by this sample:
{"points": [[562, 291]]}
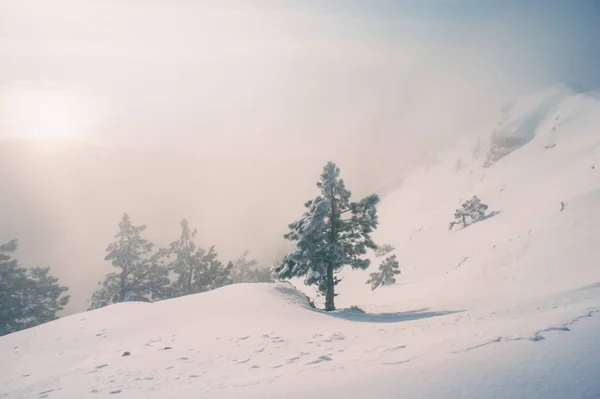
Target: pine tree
{"points": [[332, 233], [386, 275], [244, 270], [215, 275], [241, 268], [197, 270], [383, 250], [188, 260], [28, 297], [471, 211], [141, 274]]}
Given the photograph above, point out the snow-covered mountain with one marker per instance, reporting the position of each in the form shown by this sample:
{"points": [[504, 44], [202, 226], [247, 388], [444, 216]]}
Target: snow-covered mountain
{"points": [[506, 308]]}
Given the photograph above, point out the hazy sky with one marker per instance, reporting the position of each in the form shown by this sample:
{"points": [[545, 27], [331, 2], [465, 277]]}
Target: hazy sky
{"points": [[287, 72], [251, 97]]}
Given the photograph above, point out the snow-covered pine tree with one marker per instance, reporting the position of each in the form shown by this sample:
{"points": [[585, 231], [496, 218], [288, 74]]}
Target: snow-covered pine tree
{"points": [[386, 275], [383, 250], [244, 270], [215, 275], [188, 264], [28, 297], [332, 233], [471, 211], [197, 270], [241, 268], [141, 274]]}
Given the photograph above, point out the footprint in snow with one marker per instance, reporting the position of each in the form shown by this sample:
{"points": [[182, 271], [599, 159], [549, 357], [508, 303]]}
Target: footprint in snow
{"points": [[321, 359], [398, 363], [115, 392], [44, 394], [395, 348], [335, 337], [101, 366], [243, 338]]}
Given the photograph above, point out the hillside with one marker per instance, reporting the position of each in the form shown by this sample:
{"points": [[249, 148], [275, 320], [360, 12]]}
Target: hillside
{"points": [[506, 308]]}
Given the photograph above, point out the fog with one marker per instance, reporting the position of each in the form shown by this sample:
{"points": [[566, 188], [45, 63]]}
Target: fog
{"points": [[225, 112]]}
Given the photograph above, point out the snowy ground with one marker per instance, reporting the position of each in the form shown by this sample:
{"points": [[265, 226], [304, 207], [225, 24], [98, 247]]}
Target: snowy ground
{"points": [[507, 308]]}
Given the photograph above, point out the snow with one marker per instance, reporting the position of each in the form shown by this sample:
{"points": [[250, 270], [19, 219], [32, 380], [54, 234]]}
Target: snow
{"points": [[506, 308]]}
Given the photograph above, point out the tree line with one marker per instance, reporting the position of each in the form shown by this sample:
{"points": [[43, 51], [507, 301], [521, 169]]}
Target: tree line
{"points": [[183, 268], [31, 296]]}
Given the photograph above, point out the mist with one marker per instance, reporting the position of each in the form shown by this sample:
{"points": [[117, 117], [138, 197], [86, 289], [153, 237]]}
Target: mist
{"points": [[225, 112]]}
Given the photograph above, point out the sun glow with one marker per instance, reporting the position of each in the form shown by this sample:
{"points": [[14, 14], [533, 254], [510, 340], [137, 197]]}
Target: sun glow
{"points": [[38, 114]]}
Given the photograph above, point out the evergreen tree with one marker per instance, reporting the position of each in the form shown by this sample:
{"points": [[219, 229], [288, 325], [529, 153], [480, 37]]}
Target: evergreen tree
{"points": [[215, 275], [471, 211], [197, 270], [244, 270], [241, 268], [383, 250], [386, 275], [28, 297], [188, 260], [141, 274], [332, 233]]}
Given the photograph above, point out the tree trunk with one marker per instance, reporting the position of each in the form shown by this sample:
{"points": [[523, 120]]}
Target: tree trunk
{"points": [[122, 287], [330, 287]]}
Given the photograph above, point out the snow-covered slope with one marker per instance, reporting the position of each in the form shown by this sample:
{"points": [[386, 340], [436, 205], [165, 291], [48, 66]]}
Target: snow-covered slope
{"points": [[506, 308]]}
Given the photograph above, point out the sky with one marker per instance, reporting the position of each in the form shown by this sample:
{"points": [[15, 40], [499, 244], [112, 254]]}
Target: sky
{"points": [[181, 72], [237, 104]]}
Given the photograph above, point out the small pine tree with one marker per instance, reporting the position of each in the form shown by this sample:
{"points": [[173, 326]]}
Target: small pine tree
{"points": [[332, 233], [241, 268], [214, 274], [28, 297], [188, 264], [471, 211], [244, 270], [383, 250], [197, 270], [388, 270], [141, 274]]}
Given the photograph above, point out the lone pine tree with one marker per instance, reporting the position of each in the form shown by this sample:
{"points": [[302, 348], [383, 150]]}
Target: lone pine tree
{"points": [[471, 211], [332, 233], [386, 275]]}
